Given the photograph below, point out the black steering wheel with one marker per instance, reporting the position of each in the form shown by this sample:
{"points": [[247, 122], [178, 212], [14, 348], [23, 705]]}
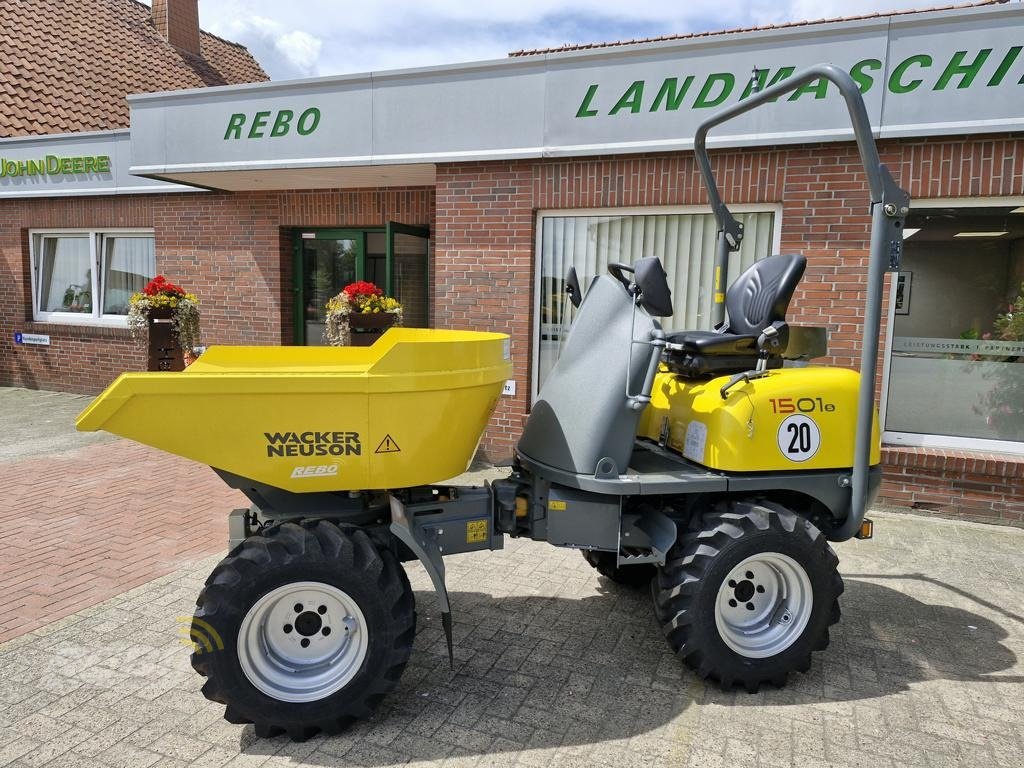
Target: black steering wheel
{"points": [[617, 271]]}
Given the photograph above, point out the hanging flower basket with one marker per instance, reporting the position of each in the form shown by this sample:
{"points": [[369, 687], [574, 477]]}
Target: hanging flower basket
{"points": [[166, 318], [359, 315]]}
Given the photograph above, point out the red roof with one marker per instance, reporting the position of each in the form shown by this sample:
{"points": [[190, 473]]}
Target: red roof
{"points": [[786, 25], [68, 66]]}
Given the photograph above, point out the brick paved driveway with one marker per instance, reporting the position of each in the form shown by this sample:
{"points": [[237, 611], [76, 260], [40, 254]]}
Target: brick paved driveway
{"points": [[556, 666]]}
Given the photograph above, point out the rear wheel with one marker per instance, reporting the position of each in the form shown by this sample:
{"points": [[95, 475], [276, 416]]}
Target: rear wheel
{"points": [[748, 598], [303, 628], [629, 575]]}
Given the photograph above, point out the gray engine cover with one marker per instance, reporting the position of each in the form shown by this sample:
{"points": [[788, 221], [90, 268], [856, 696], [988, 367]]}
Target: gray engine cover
{"points": [[582, 413]]}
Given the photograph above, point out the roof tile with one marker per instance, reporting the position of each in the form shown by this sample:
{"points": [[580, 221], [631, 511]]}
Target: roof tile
{"points": [[73, 63], [786, 25]]}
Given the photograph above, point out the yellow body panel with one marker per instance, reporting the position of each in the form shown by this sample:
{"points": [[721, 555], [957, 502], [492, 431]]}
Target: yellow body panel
{"points": [[406, 411], [792, 419]]}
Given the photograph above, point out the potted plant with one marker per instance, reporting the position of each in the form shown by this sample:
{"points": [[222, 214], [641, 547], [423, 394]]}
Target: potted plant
{"points": [[359, 315], [168, 318]]}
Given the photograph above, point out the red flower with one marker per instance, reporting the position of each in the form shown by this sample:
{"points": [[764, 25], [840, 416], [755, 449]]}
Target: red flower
{"points": [[361, 288], [159, 285]]}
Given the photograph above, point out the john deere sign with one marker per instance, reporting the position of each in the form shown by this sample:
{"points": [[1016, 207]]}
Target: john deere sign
{"points": [[52, 165], [922, 74], [960, 71], [71, 164]]}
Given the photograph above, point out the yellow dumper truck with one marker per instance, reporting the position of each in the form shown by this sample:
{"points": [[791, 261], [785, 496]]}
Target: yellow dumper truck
{"points": [[713, 465]]}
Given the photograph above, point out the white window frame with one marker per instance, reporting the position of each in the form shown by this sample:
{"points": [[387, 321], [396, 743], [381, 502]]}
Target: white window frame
{"points": [[917, 439], [650, 210], [94, 235]]}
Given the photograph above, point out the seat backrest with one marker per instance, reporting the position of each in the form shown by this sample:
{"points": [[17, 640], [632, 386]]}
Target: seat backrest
{"points": [[761, 295]]}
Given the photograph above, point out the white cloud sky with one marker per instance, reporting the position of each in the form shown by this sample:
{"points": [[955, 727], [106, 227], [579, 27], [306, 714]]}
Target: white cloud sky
{"points": [[306, 38]]}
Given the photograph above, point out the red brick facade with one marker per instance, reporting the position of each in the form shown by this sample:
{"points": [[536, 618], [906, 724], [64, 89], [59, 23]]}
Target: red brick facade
{"points": [[234, 250]]}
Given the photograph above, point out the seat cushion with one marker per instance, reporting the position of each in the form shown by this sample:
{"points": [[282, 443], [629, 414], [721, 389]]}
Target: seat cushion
{"points": [[713, 343]]}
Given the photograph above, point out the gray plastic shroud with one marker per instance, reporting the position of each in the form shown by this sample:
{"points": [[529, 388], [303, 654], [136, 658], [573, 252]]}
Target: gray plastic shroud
{"points": [[585, 414]]}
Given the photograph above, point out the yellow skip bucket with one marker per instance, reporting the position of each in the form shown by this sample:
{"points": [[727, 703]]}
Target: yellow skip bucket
{"points": [[408, 410]]}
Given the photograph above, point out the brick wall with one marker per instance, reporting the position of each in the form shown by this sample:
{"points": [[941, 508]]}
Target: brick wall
{"points": [[232, 250], [969, 484]]}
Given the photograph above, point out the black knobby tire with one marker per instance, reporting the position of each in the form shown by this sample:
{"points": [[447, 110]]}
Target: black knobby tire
{"points": [[629, 576], [686, 591], [311, 551]]}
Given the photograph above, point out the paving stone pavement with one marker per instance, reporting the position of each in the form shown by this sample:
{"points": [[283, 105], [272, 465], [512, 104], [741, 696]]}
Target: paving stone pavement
{"points": [[556, 666]]}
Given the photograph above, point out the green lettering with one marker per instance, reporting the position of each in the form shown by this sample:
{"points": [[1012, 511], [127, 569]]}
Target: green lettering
{"points": [[282, 123], [10, 168], [632, 98], [103, 164], [308, 121], [1004, 65], [65, 165], [235, 123], [585, 110], [818, 87], [52, 164], [3, 167], [77, 165], [35, 168], [896, 84], [762, 82], [727, 81], [967, 72], [89, 163], [671, 94], [863, 80], [259, 122]]}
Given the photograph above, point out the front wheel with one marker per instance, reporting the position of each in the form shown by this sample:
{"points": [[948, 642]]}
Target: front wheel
{"points": [[303, 628], [748, 598]]}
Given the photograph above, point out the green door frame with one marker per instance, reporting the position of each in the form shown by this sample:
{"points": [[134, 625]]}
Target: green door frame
{"points": [[394, 228], [298, 271], [391, 229]]}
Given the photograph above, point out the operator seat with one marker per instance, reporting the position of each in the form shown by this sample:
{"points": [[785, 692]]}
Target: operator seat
{"points": [[757, 300]]}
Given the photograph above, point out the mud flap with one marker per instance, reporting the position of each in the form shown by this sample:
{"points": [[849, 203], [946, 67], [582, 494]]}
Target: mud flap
{"points": [[429, 553]]}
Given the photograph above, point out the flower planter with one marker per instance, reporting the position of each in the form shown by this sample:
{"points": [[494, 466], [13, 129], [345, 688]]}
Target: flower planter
{"points": [[366, 327], [165, 353]]}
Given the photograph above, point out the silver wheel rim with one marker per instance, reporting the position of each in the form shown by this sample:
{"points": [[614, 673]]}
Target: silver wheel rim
{"points": [[764, 605], [286, 653]]}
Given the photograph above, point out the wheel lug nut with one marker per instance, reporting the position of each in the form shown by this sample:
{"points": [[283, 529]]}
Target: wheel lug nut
{"points": [[326, 631], [298, 607], [287, 628], [732, 583], [305, 642], [322, 610], [750, 606], [732, 603], [750, 574], [760, 589]]}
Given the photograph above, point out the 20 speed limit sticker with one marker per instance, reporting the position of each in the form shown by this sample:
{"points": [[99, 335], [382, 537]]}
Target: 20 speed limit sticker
{"points": [[799, 437]]}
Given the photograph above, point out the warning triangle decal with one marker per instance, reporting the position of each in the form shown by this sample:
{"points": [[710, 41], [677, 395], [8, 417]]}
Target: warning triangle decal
{"points": [[388, 445]]}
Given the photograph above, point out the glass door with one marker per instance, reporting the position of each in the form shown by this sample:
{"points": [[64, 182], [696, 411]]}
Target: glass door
{"points": [[325, 262], [406, 271]]}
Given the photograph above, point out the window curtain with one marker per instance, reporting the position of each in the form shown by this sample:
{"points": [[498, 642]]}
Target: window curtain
{"points": [[65, 274], [129, 262], [685, 243]]}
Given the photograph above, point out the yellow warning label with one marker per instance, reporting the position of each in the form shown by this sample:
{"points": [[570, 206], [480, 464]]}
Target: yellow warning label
{"points": [[556, 505], [719, 297], [718, 278], [476, 531]]}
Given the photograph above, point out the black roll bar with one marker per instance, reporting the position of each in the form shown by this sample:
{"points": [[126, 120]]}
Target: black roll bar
{"points": [[889, 207]]}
